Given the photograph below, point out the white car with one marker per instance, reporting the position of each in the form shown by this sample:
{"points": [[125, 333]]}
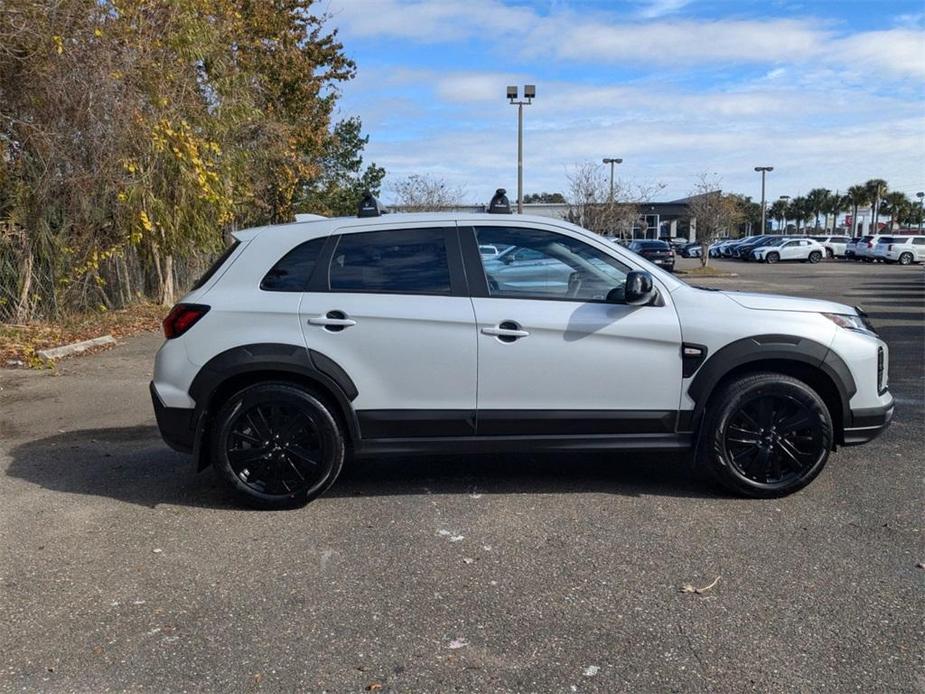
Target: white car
{"points": [[309, 342], [805, 250], [835, 246], [864, 250], [904, 250]]}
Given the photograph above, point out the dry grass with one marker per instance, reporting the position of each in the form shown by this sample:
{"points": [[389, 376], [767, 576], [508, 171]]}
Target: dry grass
{"points": [[21, 342], [707, 271]]}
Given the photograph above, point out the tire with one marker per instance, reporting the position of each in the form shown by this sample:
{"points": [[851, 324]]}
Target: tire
{"points": [[741, 444], [829, 254], [277, 445], [905, 259], [772, 258], [815, 257]]}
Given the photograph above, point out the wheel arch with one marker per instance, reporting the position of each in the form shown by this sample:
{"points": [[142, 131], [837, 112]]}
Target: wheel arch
{"points": [[239, 367], [807, 360]]}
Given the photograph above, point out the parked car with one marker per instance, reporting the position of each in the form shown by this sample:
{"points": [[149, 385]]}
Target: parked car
{"points": [[307, 342], [904, 250], [658, 252], [716, 248], [851, 248], [692, 250], [804, 250], [835, 246], [744, 250], [864, 249]]}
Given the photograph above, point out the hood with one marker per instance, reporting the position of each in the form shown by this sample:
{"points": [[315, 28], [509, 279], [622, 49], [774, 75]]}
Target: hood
{"points": [[778, 302]]}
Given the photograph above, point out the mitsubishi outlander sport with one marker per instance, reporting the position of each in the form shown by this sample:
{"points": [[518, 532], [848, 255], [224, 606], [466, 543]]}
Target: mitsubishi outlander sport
{"points": [[308, 342]]}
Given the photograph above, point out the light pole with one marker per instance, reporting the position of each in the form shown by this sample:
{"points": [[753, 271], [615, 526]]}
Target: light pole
{"points": [[512, 97], [608, 160], [785, 198], [921, 196], [764, 170]]}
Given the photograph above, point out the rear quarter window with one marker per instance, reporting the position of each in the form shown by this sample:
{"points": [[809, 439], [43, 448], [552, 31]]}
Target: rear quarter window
{"points": [[216, 265], [294, 270]]}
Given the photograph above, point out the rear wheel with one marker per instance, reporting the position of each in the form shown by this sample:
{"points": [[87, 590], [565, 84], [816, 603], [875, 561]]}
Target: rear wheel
{"points": [[905, 259], [765, 435], [815, 257], [772, 257], [277, 445], [829, 254]]}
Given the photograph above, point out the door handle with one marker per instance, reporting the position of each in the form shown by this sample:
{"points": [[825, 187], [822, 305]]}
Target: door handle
{"points": [[333, 320], [506, 331]]}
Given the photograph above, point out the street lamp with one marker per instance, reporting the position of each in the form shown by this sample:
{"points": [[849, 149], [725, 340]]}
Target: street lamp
{"points": [[512, 97], [764, 170], [921, 196], [785, 198], [608, 160]]}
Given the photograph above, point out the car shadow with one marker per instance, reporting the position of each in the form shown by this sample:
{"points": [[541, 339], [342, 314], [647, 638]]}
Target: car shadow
{"points": [[133, 465]]}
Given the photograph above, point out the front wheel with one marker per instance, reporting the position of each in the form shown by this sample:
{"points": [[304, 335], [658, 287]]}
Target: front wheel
{"points": [[765, 435], [277, 445], [772, 257], [829, 254], [815, 257], [905, 259]]}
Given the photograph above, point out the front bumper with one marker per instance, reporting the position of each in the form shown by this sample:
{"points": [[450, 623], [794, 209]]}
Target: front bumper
{"points": [[177, 424], [868, 424]]}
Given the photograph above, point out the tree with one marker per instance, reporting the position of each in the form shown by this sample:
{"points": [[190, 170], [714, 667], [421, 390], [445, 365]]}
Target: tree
{"points": [[590, 206], [876, 189], [778, 211], [800, 210], [835, 205], [817, 200], [426, 193], [857, 196], [546, 198], [897, 206], [342, 180], [133, 134], [712, 212]]}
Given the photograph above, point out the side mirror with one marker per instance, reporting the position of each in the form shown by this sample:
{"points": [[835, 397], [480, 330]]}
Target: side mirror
{"points": [[639, 289]]}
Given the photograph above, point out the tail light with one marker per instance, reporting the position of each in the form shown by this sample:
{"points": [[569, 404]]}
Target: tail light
{"points": [[181, 318]]}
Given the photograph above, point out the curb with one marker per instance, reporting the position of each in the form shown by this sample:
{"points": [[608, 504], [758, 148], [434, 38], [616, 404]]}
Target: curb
{"points": [[75, 348]]}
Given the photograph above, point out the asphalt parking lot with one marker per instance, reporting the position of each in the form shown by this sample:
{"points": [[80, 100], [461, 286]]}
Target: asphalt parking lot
{"points": [[121, 569]]}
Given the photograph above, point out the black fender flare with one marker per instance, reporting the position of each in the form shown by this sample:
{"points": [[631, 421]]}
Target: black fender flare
{"points": [[771, 348], [269, 357]]}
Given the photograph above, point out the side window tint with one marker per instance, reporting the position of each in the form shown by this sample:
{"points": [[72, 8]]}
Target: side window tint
{"points": [[919, 241], [403, 261], [292, 272], [542, 264]]}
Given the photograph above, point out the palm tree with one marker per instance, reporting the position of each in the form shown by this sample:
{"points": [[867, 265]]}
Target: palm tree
{"points": [[800, 211], [897, 205], [857, 197], [817, 199], [835, 205], [876, 189], [777, 211]]}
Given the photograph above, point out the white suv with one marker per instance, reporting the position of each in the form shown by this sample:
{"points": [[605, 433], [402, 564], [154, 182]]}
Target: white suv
{"points": [[775, 250], [904, 250], [310, 341]]}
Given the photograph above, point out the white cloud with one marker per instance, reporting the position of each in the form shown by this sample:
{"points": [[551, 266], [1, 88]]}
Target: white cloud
{"points": [[602, 37], [659, 8]]}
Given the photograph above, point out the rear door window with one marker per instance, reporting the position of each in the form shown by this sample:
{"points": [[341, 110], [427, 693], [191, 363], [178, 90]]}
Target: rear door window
{"points": [[396, 261]]}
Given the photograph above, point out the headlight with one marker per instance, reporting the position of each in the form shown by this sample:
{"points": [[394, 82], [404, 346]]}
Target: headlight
{"points": [[849, 321]]}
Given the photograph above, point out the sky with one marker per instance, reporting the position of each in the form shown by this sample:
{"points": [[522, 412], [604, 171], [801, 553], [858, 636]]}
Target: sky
{"points": [[828, 92]]}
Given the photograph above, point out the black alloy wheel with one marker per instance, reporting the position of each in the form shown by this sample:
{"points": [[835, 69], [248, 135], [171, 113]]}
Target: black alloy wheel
{"points": [[277, 445], [815, 257], [769, 435]]}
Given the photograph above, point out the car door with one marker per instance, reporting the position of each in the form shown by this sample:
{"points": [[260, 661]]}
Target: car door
{"points": [[557, 359], [790, 250], [918, 247], [393, 312]]}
